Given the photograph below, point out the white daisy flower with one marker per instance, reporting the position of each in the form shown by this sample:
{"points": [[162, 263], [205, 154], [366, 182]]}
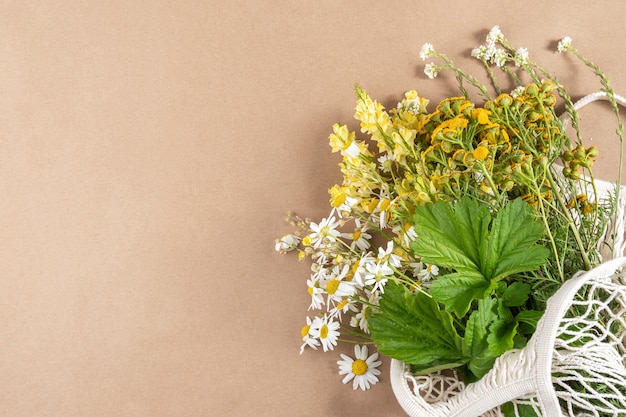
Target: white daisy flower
{"points": [[346, 208], [360, 237], [316, 292], [326, 229], [325, 329], [362, 370], [361, 319], [377, 275], [388, 255], [307, 337], [361, 269], [429, 272], [336, 287], [287, 243], [343, 307]]}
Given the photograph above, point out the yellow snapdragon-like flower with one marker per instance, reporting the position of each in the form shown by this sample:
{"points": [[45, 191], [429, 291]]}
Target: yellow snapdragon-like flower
{"points": [[342, 140]]}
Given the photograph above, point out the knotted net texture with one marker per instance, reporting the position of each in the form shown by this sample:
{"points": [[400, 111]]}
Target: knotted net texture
{"points": [[574, 365]]}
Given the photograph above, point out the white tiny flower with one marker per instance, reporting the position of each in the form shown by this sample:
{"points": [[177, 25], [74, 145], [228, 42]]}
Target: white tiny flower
{"points": [[480, 53], [431, 70], [499, 58], [521, 57], [564, 44], [362, 370], [518, 91], [427, 51], [495, 35]]}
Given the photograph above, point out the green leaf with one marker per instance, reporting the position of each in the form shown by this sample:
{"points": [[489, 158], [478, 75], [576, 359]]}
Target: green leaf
{"points": [[523, 410], [512, 242], [501, 336], [460, 238], [528, 320], [516, 294], [451, 238], [412, 328], [475, 340], [502, 331], [457, 290], [477, 329]]}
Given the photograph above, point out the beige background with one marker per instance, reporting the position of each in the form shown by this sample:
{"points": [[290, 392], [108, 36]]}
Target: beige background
{"points": [[149, 153]]}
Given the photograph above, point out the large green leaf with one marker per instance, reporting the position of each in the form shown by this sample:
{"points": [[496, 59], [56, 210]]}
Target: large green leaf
{"points": [[460, 238], [512, 242], [451, 238], [412, 328]]}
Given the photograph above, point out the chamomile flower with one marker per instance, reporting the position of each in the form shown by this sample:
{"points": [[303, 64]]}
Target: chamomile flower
{"points": [[324, 230], [307, 336], [316, 292], [287, 243], [336, 287], [343, 307], [361, 268], [362, 370], [429, 272], [325, 329], [377, 275], [360, 237]]}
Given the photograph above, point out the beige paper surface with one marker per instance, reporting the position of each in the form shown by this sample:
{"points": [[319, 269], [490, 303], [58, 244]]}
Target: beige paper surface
{"points": [[149, 152]]}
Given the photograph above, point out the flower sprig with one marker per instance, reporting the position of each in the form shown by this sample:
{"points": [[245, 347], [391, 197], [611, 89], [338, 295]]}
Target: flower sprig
{"points": [[473, 169]]}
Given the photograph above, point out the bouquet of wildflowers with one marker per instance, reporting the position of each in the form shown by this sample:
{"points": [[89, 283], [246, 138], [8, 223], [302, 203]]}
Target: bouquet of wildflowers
{"points": [[453, 226]]}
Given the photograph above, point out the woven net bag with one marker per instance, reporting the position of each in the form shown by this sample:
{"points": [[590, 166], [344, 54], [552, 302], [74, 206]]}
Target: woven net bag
{"points": [[574, 364]]}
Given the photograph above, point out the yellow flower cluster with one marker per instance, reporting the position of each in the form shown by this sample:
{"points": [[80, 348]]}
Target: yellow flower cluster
{"points": [[503, 147]]}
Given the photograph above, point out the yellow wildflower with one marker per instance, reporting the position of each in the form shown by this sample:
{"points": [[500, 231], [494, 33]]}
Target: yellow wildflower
{"points": [[480, 153]]}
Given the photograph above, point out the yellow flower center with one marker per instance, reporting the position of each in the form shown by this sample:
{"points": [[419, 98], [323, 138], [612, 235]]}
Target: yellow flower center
{"points": [[324, 332], [332, 285], [359, 367], [305, 330], [481, 153]]}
